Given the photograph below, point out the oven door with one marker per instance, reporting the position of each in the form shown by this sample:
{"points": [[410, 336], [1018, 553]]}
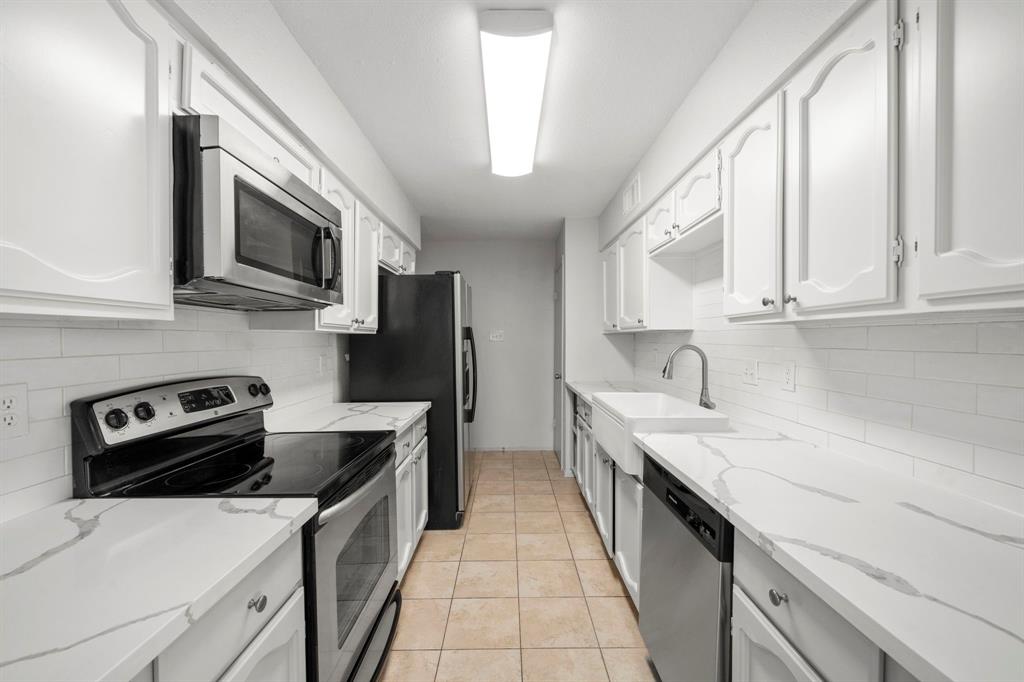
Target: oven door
{"points": [[355, 560], [259, 236]]}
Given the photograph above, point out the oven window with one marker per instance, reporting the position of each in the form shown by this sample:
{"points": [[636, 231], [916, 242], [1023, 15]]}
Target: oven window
{"points": [[360, 566], [271, 237]]}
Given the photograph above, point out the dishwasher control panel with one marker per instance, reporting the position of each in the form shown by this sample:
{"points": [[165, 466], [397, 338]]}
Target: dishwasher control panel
{"points": [[700, 518]]}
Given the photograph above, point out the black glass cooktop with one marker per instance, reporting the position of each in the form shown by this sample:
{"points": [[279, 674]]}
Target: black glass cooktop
{"points": [[265, 465]]}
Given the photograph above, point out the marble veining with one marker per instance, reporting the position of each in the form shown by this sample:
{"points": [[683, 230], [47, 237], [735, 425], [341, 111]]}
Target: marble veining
{"points": [[95, 589], [395, 417], [935, 579]]}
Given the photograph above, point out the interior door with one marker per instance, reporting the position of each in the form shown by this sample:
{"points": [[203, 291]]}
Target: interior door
{"points": [[975, 241], [559, 383], [752, 197], [841, 171]]}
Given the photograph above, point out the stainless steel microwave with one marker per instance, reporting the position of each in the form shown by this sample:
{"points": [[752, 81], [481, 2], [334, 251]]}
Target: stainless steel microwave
{"points": [[248, 234]]}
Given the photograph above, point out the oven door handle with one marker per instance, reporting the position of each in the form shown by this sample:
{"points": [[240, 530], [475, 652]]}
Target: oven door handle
{"points": [[350, 501]]}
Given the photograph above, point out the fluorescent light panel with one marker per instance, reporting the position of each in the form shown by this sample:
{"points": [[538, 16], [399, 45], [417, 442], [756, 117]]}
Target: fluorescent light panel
{"points": [[515, 46]]}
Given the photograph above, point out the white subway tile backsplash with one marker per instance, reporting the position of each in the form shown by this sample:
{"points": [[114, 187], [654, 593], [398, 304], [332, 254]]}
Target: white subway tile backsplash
{"points": [[63, 359], [941, 450], [947, 394], [941, 400], [1001, 337]]}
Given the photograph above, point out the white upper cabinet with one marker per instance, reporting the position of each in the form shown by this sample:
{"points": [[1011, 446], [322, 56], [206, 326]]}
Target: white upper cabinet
{"points": [[208, 89], [85, 124], [408, 266], [364, 296], [632, 278], [840, 169], [610, 287], [339, 317], [659, 222], [972, 85], [390, 249], [752, 207], [699, 194]]}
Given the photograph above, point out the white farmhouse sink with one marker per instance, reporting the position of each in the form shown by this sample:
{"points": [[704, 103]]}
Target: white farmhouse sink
{"points": [[617, 416]]}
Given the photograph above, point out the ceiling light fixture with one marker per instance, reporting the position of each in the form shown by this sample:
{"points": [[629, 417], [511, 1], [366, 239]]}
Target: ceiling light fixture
{"points": [[515, 45]]}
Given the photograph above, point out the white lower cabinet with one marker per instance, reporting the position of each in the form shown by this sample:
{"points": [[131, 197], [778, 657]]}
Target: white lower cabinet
{"points": [[604, 497], [421, 490], [588, 464], [245, 622], [760, 653], [278, 654], [629, 495], [404, 503]]}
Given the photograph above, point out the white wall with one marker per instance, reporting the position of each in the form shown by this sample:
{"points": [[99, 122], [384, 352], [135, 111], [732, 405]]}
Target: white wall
{"points": [[590, 354], [940, 401], [513, 291], [61, 359], [251, 37], [769, 40]]}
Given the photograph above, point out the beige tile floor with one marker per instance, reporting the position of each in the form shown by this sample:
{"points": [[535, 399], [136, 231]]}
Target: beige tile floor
{"points": [[524, 592]]}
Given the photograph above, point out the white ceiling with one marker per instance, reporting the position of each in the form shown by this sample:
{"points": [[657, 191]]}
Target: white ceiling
{"points": [[409, 72]]}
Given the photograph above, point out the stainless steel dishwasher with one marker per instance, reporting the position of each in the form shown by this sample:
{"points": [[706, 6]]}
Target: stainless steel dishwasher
{"points": [[685, 581]]}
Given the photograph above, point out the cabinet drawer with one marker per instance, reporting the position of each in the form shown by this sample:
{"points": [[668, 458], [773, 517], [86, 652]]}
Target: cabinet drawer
{"points": [[836, 649], [419, 430], [403, 445], [206, 649]]}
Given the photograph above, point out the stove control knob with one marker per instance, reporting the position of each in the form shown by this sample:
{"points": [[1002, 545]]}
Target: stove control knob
{"points": [[144, 411], [116, 419], [254, 390], [264, 389]]}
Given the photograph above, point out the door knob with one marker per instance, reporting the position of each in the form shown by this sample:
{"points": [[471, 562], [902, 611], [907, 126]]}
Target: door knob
{"points": [[558, 375]]}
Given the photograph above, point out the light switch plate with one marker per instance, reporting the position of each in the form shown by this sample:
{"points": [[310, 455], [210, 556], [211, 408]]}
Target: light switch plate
{"points": [[789, 376], [497, 335], [750, 372], [13, 410]]}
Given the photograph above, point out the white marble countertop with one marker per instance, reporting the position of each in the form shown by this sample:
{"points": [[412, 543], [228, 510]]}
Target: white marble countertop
{"points": [[935, 579], [395, 417], [587, 389], [96, 589]]}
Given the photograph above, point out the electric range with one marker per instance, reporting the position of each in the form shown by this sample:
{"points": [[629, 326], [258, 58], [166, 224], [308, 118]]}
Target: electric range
{"points": [[206, 437]]}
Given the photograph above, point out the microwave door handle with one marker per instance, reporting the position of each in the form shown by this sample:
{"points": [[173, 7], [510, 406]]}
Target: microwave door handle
{"points": [[353, 499], [335, 265], [317, 254]]}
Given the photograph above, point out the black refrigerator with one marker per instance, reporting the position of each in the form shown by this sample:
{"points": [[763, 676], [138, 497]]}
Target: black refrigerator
{"points": [[424, 350]]}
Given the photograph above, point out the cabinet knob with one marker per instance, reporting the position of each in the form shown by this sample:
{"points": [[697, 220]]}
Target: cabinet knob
{"points": [[640, 321], [767, 302], [777, 598], [259, 602], [668, 231], [789, 299], [614, 326]]}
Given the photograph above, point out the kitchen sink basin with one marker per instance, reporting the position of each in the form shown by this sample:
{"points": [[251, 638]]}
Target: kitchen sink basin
{"points": [[617, 416]]}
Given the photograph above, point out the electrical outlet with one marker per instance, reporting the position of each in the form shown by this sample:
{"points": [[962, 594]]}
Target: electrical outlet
{"points": [[13, 410], [497, 335], [750, 372], [788, 376]]}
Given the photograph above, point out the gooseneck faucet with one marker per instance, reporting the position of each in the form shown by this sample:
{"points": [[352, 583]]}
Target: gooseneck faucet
{"points": [[705, 399]]}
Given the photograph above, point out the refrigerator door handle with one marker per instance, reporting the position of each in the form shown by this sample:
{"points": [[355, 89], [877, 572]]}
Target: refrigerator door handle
{"points": [[471, 412]]}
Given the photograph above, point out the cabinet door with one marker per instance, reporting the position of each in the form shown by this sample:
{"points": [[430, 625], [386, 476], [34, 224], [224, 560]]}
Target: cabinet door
{"points": [[632, 278], [698, 195], [659, 222], [279, 651], [422, 489], [368, 228], [604, 484], [589, 457], [208, 89], [408, 266], [841, 167], [339, 317], [760, 653], [752, 204], [628, 515], [390, 249], [405, 500], [975, 243], [85, 159], [610, 287]]}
